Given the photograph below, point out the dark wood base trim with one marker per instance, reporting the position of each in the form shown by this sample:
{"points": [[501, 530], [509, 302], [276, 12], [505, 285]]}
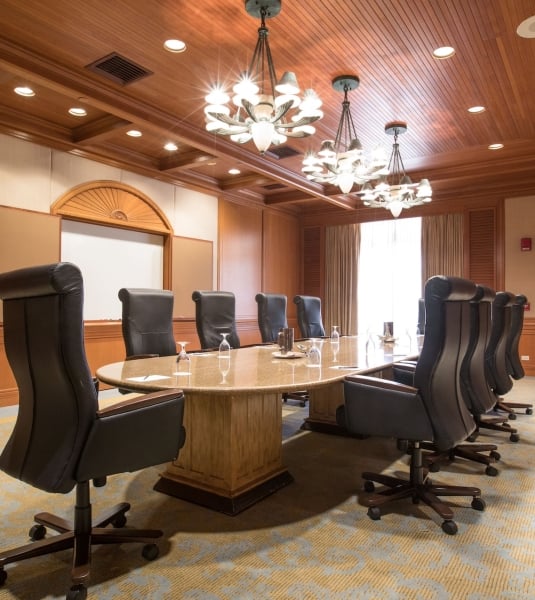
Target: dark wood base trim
{"points": [[224, 504]]}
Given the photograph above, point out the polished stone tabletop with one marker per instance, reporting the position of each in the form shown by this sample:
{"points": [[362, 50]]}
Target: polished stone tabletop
{"points": [[253, 368]]}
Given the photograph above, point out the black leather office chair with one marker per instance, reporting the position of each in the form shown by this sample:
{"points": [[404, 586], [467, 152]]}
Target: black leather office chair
{"points": [[61, 440], [497, 367], [147, 322], [474, 388], [271, 318], [271, 315], [433, 410], [215, 313], [309, 316], [512, 354]]}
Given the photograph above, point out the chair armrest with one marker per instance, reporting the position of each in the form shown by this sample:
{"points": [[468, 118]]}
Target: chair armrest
{"points": [[385, 408], [138, 402], [138, 356], [384, 384]]}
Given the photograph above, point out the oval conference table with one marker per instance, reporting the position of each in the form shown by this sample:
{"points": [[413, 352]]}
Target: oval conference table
{"points": [[233, 417]]}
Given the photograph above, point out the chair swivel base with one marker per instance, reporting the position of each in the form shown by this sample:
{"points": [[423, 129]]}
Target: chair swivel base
{"points": [[485, 454], [418, 487], [80, 536], [494, 424], [509, 407]]}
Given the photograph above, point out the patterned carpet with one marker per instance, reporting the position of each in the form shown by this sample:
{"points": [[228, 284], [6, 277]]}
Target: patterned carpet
{"points": [[310, 541]]}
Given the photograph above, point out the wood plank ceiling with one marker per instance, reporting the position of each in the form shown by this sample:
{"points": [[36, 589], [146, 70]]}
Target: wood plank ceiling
{"points": [[387, 43]]}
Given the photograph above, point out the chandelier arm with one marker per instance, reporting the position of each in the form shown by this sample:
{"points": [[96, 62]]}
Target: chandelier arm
{"points": [[299, 123], [249, 108], [281, 111], [229, 120]]}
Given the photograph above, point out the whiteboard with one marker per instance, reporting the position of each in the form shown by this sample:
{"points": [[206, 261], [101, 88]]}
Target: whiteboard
{"points": [[111, 258]]}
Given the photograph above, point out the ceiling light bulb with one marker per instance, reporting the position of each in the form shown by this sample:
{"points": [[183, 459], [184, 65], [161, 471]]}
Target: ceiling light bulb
{"points": [[175, 46], [217, 95], [134, 133], [476, 109], [495, 146], [24, 91], [443, 52], [171, 146], [77, 112]]}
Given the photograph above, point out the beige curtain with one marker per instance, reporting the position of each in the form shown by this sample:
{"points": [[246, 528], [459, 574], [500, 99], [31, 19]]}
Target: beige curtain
{"points": [[442, 246], [341, 267]]}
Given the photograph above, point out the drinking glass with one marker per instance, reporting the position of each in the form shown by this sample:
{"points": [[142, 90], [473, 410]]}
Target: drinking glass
{"points": [[314, 354], [335, 335], [224, 347], [224, 367], [183, 360]]}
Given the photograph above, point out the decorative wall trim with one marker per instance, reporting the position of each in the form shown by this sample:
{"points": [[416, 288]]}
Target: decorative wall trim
{"points": [[112, 203]]}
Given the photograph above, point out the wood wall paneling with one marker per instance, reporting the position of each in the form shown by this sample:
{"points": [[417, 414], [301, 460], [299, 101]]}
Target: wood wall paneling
{"points": [[192, 268], [240, 255], [481, 245], [281, 258], [27, 239]]}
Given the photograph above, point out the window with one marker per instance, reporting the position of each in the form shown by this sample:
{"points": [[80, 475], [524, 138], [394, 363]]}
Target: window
{"points": [[389, 276]]}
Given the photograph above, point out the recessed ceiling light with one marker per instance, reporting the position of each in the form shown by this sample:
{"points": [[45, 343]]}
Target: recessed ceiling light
{"points": [[234, 171], [175, 46], [24, 91], [526, 29], [476, 109], [443, 52], [495, 146], [134, 133], [78, 112], [171, 146]]}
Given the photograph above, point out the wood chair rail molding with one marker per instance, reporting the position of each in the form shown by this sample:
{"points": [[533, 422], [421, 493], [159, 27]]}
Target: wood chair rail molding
{"points": [[112, 203]]}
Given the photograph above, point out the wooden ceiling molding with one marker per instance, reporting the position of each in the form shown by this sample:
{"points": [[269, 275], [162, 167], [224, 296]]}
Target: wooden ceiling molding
{"points": [[388, 45]]}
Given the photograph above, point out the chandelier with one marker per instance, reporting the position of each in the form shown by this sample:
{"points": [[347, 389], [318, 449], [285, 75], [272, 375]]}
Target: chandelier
{"points": [[341, 161], [262, 109], [395, 190]]}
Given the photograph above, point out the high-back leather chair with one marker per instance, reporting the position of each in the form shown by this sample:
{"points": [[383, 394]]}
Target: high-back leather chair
{"points": [[512, 354], [309, 316], [215, 313], [271, 315], [147, 322], [497, 368], [61, 439], [477, 392], [433, 409]]}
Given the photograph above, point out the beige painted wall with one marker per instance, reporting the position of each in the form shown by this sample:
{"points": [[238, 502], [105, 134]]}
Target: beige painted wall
{"points": [[519, 265], [34, 177]]}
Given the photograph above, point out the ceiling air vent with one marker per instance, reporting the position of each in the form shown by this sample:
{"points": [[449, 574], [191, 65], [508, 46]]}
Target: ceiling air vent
{"points": [[119, 69], [282, 152]]}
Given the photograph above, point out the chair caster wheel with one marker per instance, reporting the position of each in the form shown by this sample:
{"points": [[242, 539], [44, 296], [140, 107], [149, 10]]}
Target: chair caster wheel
{"points": [[374, 512], [302, 404], [495, 455], [3, 576], [369, 486], [512, 416], [529, 411], [449, 527], [77, 592], [119, 521], [37, 532], [150, 551], [434, 467], [491, 471], [514, 437], [472, 438], [478, 504]]}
